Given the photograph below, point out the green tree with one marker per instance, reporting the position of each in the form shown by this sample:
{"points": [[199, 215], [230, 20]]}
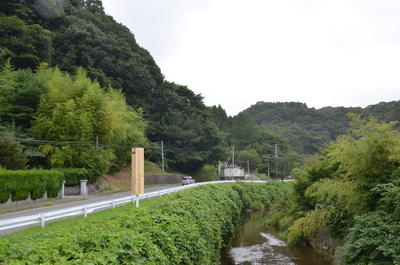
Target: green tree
{"points": [[20, 93], [244, 131], [180, 119], [251, 156], [26, 44], [219, 117], [11, 153], [206, 173], [77, 109], [368, 155]]}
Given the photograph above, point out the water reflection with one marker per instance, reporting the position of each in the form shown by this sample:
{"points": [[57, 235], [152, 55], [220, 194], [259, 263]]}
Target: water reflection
{"points": [[257, 244]]}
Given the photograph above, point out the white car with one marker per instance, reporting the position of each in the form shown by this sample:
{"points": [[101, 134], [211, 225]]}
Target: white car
{"points": [[186, 180]]}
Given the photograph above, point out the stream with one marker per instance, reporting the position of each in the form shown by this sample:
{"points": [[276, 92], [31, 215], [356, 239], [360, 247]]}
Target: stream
{"points": [[257, 244]]}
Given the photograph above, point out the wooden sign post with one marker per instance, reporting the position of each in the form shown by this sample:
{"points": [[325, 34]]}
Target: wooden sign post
{"points": [[137, 171]]}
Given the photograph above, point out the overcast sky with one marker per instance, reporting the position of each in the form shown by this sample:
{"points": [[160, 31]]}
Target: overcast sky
{"points": [[238, 52]]}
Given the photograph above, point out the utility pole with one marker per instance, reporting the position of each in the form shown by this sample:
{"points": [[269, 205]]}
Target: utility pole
{"points": [[268, 171], [233, 156], [276, 160], [248, 167], [162, 156]]}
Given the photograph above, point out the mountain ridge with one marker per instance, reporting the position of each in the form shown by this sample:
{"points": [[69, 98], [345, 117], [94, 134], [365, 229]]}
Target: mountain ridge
{"points": [[307, 129]]}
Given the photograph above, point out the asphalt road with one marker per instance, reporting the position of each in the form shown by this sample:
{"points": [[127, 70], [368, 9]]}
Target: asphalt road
{"points": [[93, 198]]}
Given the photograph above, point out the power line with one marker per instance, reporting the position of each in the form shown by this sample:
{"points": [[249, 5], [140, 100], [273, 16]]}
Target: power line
{"points": [[62, 143], [34, 141]]}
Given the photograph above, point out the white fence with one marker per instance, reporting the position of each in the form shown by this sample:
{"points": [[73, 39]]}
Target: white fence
{"points": [[41, 219]]}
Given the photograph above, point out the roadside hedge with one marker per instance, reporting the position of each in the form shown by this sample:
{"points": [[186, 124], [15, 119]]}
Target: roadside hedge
{"points": [[20, 183], [188, 227], [73, 176]]}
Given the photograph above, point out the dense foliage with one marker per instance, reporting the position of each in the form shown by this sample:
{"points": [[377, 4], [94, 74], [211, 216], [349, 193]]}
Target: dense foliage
{"points": [[352, 184], [11, 153], [182, 228], [96, 125], [77, 109], [374, 238], [206, 173], [20, 93], [73, 176], [181, 121], [20, 183]]}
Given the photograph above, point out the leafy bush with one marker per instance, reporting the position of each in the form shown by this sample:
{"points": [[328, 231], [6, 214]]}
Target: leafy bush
{"points": [[189, 227], [374, 239], [21, 183], [73, 176], [11, 153], [206, 173]]}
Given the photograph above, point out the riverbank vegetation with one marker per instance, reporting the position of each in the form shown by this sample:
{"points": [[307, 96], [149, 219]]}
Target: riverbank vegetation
{"points": [[348, 193], [182, 228]]}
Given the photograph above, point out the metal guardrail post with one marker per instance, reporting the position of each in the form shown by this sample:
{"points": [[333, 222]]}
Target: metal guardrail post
{"points": [[42, 220], [85, 212], [63, 190]]}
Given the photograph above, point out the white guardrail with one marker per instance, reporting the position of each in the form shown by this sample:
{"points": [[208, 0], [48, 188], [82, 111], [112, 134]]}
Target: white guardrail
{"points": [[41, 219]]}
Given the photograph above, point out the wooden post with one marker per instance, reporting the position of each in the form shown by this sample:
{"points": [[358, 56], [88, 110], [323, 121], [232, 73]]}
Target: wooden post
{"points": [[137, 171]]}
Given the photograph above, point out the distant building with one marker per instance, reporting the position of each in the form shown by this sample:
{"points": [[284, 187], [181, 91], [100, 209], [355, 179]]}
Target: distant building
{"points": [[233, 173]]}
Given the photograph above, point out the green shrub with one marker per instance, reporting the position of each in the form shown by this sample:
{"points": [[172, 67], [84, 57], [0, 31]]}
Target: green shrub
{"points": [[11, 153], [4, 196], [374, 238], [206, 173], [188, 227], [21, 183], [73, 176]]}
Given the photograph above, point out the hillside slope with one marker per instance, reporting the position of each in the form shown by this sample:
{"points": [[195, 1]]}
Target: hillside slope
{"points": [[308, 129]]}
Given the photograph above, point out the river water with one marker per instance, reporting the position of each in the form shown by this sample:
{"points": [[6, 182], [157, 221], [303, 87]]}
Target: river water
{"points": [[257, 244]]}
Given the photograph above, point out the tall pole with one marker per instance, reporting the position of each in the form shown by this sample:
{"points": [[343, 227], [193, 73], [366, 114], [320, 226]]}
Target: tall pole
{"points": [[268, 171], [162, 156], [276, 160], [248, 167], [233, 156]]}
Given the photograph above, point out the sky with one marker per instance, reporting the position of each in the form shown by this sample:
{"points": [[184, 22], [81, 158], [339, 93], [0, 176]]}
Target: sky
{"points": [[239, 52]]}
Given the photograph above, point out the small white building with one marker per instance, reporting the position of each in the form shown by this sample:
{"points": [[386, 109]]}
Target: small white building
{"points": [[232, 173]]}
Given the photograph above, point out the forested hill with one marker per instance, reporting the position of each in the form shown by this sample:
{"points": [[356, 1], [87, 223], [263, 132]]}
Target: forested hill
{"points": [[307, 129], [77, 33]]}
